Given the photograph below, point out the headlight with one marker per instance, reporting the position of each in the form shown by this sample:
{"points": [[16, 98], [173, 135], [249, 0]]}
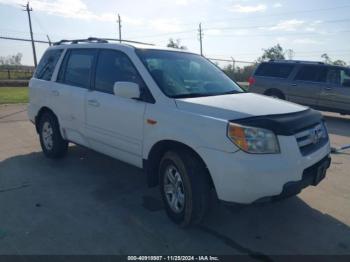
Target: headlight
{"points": [[253, 140]]}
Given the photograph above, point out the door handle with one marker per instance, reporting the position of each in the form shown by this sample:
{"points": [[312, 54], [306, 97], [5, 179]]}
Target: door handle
{"points": [[55, 93], [328, 88], [294, 84], [94, 103]]}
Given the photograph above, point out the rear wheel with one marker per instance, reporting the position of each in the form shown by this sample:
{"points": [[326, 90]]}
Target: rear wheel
{"points": [[52, 143], [185, 187]]}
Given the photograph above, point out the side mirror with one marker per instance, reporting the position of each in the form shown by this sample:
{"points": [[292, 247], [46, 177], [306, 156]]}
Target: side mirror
{"points": [[127, 90]]}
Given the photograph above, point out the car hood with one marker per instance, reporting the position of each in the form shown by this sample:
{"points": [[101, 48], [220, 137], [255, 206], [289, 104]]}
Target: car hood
{"points": [[237, 106]]}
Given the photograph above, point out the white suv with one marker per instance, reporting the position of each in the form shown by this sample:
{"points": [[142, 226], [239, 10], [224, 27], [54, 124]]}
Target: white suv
{"points": [[180, 118]]}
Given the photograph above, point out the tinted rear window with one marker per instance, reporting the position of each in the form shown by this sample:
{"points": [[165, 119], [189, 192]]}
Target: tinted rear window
{"points": [[274, 70], [312, 73], [77, 68], [47, 64]]}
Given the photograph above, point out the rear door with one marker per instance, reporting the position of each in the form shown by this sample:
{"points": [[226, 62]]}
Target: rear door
{"points": [[336, 96], [69, 91], [307, 84]]}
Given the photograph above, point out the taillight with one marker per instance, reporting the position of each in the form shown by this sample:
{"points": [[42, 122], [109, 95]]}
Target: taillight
{"points": [[251, 81]]}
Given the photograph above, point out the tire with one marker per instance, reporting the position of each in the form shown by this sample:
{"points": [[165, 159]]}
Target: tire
{"points": [[275, 94], [193, 188], [51, 141]]}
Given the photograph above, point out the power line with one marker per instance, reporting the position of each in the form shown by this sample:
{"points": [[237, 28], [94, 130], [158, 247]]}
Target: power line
{"points": [[279, 34], [274, 15], [271, 25], [229, 28], [343, 51], [230, 60], [23, 39], [165, 34]]}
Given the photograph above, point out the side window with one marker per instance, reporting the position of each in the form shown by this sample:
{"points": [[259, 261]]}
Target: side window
{"points": [[312, 73], [333, 76], [77, 68], [47, 64], [345, 77], [113, 66], [274, 70]]}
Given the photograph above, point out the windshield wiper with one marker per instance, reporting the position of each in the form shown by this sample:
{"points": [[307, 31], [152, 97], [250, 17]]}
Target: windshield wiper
{"points": [[230, 92], [192, 95]]}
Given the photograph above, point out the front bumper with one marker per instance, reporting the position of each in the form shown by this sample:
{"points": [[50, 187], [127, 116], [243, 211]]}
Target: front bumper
{"points": [[246, 178], [312, 176]]}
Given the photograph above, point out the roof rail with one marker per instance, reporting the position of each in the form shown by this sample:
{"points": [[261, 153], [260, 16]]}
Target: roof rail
{"points": [[296, 61], [127, 41], [77, 41], [96, 40]]}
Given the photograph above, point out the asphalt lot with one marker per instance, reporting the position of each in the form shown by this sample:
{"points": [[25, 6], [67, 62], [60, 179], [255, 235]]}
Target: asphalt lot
{"points": [[88, 203]]}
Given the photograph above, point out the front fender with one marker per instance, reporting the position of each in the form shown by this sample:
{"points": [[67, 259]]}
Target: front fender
{"points": [[190, 129]]}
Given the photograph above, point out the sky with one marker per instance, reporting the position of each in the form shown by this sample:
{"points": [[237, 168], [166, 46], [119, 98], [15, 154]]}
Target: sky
{"points": [[238, 29]]}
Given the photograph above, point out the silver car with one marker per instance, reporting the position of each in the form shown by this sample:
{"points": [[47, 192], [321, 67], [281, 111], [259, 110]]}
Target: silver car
{"points": [[315, 84]]}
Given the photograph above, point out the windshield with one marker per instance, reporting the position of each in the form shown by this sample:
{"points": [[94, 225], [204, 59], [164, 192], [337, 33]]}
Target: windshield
{"points": [[181, 75]]}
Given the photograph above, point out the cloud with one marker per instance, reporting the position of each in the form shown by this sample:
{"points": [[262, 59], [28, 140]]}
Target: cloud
{"points": [[277, 5], [75, 9], [213, 32], [238, 8], [287, 25], [182, 2], [306, 41], [166, 25]]}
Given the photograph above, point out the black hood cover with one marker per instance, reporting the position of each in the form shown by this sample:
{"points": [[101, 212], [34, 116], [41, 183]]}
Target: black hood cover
{"points": [[284, 124]]}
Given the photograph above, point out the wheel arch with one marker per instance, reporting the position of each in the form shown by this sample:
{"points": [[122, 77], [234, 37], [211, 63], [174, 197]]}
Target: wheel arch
{"points": [[41, 112], [151, 164], [271, 91]]}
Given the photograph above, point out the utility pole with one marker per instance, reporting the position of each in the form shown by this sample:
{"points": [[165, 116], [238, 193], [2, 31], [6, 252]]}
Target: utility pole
{"points": [[120, 28], [48, 39], [29, 9], [233, 64], [200, 31]]}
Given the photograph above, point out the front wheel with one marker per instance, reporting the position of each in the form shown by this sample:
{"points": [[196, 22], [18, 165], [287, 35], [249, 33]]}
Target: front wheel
{"points": [[52, 143], [185, 187]]}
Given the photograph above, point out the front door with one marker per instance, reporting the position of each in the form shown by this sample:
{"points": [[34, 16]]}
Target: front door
{"points": [[114, 125]]}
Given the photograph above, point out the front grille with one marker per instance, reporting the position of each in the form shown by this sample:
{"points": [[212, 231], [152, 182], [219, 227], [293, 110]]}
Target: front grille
{"points": [[311, 139]]}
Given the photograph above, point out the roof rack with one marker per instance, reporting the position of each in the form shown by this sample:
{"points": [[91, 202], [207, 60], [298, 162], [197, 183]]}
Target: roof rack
{"points": [[296, 61], [96, 40]]}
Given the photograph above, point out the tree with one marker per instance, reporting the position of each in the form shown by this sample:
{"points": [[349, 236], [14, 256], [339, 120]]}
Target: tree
{"points": [[175, 44], [11, 59], [276, 52], [328, 60], [229, 70], [17, 58], [240, 74], [289, 53], [339, 63]]}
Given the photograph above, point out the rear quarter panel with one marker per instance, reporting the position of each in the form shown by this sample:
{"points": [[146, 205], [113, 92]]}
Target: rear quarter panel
{"points": [[262, 84], [38, 97]]}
